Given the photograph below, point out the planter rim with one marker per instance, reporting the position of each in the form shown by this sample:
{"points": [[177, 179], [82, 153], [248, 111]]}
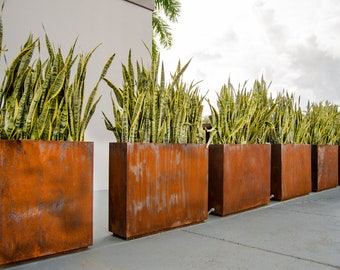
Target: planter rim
{"points": [[150, 143], [240, 144], [290, 144], [324, 144]]}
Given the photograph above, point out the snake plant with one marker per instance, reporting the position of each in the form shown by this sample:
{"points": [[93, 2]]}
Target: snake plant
{"points": [[324, 123], [149, 109], [290, 124], [241, 116], [41, 100]]}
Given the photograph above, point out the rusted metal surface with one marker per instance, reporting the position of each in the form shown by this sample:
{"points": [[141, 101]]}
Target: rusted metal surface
{"points": [[156, 187], [291, 171], [46, 192], [325, 166], [239, 177]]}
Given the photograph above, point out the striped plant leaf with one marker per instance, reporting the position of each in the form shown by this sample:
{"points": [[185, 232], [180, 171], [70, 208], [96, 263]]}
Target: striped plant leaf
{"points": [[147, 109], [323, 119], [40, 100], [242, 116]]}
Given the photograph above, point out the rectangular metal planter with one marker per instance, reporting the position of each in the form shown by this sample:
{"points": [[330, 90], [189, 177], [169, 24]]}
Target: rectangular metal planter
{"points": [[291, 171], [325, 166], [46, 201], [239, 177], [156, 187]]}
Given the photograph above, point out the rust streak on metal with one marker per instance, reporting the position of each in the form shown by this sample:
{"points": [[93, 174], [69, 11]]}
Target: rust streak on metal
{"points": [[46, 192], [239, 177], [156, 187], [291, 171], [325, 166]]}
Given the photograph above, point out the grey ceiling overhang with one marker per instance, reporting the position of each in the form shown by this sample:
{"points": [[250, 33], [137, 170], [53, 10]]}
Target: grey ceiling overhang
{"points": [[148, 4]]}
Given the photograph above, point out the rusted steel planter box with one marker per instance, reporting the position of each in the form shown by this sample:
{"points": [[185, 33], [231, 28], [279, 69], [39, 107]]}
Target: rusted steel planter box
{"points": [[46, 192], [239, 177], [325, 165], [156, 187], [290, 171]]}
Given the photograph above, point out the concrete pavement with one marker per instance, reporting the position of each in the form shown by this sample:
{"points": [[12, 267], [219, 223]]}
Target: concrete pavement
{"points": [[302, 233]]}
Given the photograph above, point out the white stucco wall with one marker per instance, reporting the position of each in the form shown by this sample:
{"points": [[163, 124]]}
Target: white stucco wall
{"points": [[117, 24]]}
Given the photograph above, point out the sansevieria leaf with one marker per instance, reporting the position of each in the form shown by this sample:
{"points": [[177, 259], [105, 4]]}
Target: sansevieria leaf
{"points": [[43, 99], [148, 109]]}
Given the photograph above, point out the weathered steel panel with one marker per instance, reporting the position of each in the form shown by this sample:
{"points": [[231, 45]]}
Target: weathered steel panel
{"points": [[117, 187], [239, 177], [46, 192], [216, 181], [325, 166], [163, 186], [291, 171]]}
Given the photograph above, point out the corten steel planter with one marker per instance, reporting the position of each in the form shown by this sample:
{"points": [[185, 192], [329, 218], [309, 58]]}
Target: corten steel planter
{"points": [[239, 177], [156, 187], [46, 197], [290, 171], [325, 166]]}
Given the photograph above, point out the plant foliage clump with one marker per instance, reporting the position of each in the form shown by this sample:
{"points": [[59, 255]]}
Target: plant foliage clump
{"points": [[290, 124], [241, 116], [255, 117], [40, 100], [148, 109], [324, 123]]}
